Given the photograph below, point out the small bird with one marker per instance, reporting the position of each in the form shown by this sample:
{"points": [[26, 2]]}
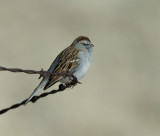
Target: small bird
{"points": [[75, 59]]}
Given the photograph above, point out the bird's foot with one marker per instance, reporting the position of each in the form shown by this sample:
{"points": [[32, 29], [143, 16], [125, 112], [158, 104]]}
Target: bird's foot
{"points": [[73, 83]]}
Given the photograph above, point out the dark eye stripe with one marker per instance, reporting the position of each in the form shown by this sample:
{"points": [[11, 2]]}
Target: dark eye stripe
{"points": [[85, 44]]}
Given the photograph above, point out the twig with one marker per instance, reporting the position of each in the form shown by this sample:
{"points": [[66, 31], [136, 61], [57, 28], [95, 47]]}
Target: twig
{"points": [[42, 74], [34, 99]]}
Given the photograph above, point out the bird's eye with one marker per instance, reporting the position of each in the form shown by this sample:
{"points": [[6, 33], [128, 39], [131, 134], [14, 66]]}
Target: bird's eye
{"points": [[85, 44]]}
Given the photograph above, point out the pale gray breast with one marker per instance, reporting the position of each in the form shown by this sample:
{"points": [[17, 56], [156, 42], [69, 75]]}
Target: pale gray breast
{"points": [[85, 57], [83, 64]]}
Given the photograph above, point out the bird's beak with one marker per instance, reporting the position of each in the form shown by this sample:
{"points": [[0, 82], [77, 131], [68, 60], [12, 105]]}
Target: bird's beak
{"points": [[91, 45]]}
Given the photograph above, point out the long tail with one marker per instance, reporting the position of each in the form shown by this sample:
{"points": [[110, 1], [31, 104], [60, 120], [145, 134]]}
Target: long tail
{"points": [[43, 83]]}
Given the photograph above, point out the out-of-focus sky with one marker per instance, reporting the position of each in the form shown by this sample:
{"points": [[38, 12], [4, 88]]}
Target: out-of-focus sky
{"points": [[120, 95]]}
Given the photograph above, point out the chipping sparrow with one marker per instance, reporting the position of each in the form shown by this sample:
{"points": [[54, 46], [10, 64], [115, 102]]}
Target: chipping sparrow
{"points": [[76, 58]]}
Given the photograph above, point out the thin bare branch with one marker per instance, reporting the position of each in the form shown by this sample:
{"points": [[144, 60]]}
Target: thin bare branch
{"points": [[42, 73]]}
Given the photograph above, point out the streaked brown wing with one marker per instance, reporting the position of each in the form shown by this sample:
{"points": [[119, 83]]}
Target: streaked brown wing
{"points": [[67, 61]]}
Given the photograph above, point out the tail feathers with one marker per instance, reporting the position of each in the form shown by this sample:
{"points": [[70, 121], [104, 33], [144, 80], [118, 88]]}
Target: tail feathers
{"points": [[35, 91]]}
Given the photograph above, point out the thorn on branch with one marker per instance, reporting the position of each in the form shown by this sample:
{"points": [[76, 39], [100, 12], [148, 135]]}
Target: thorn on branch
{"points": [[42, 73]]}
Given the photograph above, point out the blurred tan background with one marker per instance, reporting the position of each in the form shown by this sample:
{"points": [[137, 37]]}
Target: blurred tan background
{"points": [[120, 94]]}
